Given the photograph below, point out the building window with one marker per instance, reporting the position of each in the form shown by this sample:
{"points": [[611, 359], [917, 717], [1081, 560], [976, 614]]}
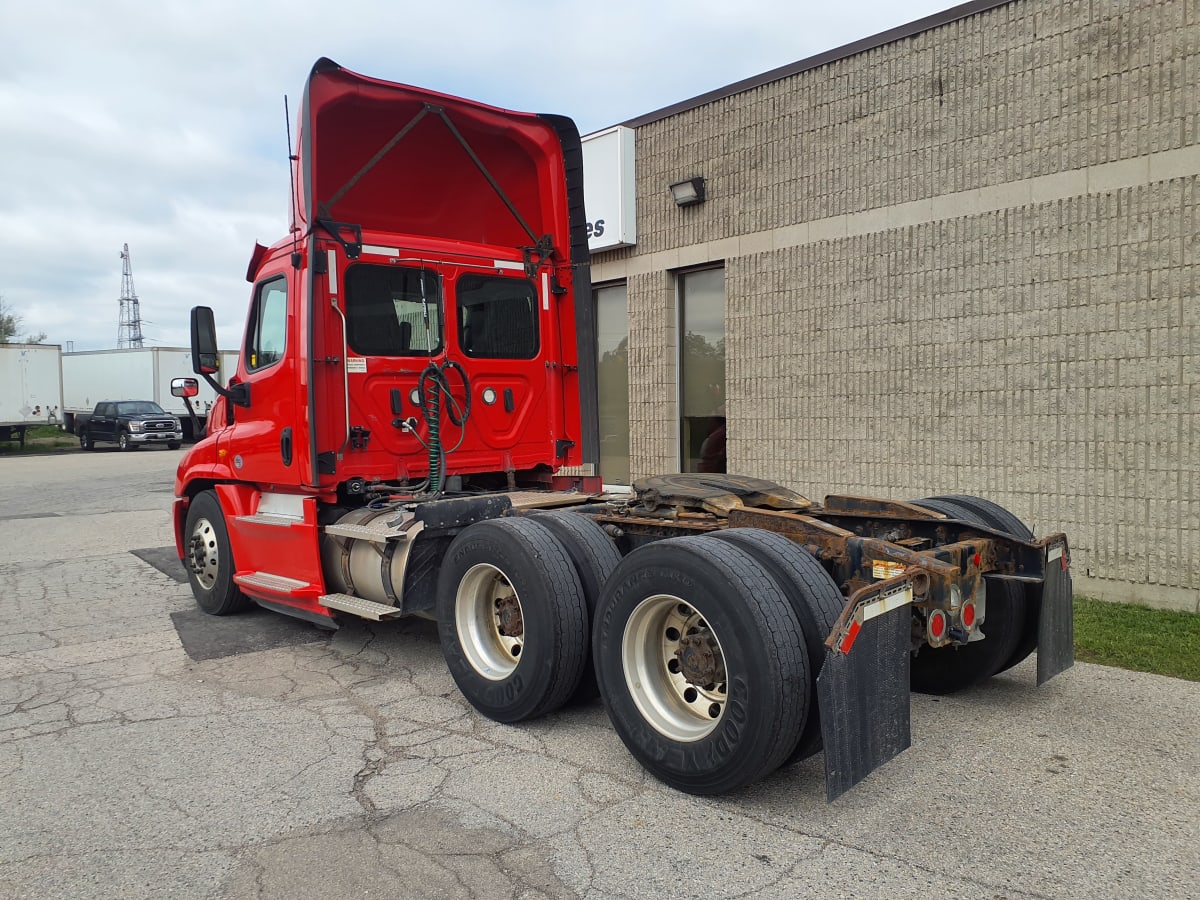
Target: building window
{"points": [[702, 370], [612, 380], [267, 337]]}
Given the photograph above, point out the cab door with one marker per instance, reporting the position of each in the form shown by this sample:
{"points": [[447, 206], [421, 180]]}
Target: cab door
{"points": [[262, 443]]}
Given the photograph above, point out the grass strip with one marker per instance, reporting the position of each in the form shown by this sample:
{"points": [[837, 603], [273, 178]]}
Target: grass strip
{"points": [[1160, 641]]}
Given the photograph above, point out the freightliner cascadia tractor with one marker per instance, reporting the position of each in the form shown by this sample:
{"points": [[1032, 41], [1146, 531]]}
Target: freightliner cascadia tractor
{"points": [[414, 405]]}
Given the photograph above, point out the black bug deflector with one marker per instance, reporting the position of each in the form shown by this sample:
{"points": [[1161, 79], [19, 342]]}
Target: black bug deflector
{"points": [[863, 687], [1056, 624]]}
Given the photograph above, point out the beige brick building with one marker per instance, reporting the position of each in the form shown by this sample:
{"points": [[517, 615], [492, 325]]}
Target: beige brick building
{"points": [[962, 256]]}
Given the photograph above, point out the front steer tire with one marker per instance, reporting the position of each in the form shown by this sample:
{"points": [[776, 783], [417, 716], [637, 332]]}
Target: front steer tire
{"points": [[208, 558], [724, 709], [124, 442], [85, 441], [512, 619]]}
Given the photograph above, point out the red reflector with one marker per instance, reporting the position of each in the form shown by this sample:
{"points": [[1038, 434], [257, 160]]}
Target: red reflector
{"points": [[968, 615], [851, 634], [937, 623], [978, 560]]}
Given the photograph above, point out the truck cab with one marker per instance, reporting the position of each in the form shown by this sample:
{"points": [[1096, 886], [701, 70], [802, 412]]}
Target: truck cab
{"points": [[417, 331]]}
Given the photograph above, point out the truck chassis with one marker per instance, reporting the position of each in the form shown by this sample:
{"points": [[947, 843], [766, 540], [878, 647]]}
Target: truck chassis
{"points": [[728, 624]]}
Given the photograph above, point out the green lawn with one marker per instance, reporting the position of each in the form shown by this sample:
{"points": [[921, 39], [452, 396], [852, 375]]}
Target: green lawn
{"points": [[1133, 637]]}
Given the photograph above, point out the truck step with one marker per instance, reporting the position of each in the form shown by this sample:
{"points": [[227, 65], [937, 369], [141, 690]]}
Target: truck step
{"points": [[380, 535], [367, 609], [270, 519], [268, 582]]}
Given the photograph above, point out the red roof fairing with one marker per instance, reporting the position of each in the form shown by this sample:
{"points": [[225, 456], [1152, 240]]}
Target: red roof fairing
{"points": [[385, 157]]}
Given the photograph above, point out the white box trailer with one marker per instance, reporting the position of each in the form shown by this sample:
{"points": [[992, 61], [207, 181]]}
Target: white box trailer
{"points": [[145, 373], [31, 388]]}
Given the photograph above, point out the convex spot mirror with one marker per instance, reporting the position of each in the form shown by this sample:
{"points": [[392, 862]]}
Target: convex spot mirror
{"points": [[184, 387]]}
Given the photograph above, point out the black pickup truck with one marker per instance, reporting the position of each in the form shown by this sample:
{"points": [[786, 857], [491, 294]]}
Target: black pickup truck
{"points": [[129, 424]]}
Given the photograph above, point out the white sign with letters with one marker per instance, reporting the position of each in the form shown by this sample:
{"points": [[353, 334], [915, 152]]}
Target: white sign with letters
{"points": [[609, 189]]}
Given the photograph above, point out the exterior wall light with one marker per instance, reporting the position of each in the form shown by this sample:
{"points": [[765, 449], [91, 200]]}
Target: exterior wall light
{"points": [[688, 193]]}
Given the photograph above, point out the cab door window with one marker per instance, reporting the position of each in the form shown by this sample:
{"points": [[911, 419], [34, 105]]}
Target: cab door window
{"points": [[266, 338], [497, 317], [392, 311]]}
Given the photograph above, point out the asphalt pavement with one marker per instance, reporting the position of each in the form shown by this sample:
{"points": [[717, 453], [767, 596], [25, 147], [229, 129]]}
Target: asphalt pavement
{"points": [[149, 751]]}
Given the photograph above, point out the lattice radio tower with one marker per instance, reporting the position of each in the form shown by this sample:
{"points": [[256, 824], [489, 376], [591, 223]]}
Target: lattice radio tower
{"points": [[129, 329]]}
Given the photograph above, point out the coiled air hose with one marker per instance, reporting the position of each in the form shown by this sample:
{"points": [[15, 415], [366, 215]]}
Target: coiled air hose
{"points": [[432, 384]]}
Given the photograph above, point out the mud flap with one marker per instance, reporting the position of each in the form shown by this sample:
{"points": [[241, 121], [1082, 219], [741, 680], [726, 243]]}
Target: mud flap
{"points": [[1056, 624], [864, 700]]}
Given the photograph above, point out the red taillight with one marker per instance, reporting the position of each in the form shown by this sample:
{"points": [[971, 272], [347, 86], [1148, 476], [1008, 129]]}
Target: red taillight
{"points": [[937, 624], [968, 614]]}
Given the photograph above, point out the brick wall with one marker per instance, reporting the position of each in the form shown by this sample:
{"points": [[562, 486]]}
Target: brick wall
{"points": [[965, 261]]}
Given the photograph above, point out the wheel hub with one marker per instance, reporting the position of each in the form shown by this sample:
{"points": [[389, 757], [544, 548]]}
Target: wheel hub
{"points": [[674, 667], [202, 557], [700, 659], [508, 617]]}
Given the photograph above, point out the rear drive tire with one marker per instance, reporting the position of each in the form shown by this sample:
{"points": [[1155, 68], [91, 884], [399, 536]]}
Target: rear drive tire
{"points": [[996, 516], [815, 600], [512, 619], [727, 707], [208, 558], [594, 556], [944, 670]]}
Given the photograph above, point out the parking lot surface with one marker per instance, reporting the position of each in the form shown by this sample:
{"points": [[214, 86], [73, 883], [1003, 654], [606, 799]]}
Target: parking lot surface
{"points": [[149, 751]]}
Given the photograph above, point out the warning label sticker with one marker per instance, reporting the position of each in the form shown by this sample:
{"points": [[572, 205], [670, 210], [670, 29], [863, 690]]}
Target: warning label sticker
{"points": [[356, 364], [885, 568]]}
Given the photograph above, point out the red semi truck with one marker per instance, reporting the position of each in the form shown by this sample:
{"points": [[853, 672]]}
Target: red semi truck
{"points": [[412, 431]]}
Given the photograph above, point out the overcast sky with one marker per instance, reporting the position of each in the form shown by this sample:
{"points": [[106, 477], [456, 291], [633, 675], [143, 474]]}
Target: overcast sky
{"points": [[161, 124]]}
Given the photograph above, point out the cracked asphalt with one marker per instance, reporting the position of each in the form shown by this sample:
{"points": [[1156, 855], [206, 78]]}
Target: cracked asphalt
{"points": [[304, 765]]}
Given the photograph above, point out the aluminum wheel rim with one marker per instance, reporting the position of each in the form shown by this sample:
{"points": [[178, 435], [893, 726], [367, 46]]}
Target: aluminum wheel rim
{"points": [[203, 558], [491, 647], [673, 706]]}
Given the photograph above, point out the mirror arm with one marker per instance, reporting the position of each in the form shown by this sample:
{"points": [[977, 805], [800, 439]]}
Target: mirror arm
{"points": [[236, 393]]}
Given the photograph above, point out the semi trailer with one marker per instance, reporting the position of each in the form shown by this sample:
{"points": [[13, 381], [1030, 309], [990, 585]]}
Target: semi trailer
{"points": [[412, 431], [31, 388]]}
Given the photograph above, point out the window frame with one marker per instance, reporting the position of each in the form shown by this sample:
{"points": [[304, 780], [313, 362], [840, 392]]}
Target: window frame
{"points": [[436, 301], [508, 280], [252, 349]]}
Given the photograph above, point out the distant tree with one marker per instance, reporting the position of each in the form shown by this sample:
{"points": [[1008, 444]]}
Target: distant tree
{"points": [[10, 324]]}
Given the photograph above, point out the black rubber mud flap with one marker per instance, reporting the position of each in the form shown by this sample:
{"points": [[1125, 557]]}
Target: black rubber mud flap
{"points": [[864, 697], [1056, 625]]}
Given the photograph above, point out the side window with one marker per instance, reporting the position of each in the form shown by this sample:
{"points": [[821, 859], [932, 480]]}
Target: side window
{"points": [[386, 311], [266, 338], [497, 317]]}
